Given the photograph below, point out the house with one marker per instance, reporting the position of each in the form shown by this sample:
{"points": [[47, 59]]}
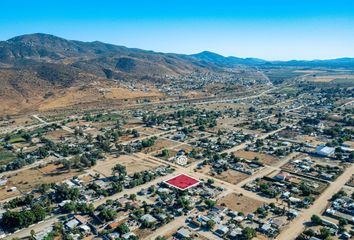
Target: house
{"points": [[235, 233], [81, 219], [72, 224], [292, 214], [85, 229], [283, 176], [183, 233], [325, 151], [3, 181], [113, 225], [221, 231], [267, 229], [314, 238], [113, 235], [148, 218], [161, 216], [128, 235]]}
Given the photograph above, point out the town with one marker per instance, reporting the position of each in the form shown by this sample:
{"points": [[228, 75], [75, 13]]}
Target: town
{"points": [[259, 164]]}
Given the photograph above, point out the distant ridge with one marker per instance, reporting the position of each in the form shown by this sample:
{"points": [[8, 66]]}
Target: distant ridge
{"points": [[42, 68]]}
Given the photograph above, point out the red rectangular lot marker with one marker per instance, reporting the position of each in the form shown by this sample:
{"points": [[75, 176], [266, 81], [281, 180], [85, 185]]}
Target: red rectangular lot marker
{"points": [[182, 182]]}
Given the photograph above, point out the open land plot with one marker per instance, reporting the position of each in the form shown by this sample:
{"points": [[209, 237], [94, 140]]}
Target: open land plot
{"points": [[330, 77], [57, 134], [160, 144], [240, 203], [17, 121], [132, 163], [29, 179], [6, 157], [224, 106], [126, 138], [6, 193], [263, 158], [229, 122], [133, 123], [232, 176], [150, 131], [185, 147], [81, 123]]}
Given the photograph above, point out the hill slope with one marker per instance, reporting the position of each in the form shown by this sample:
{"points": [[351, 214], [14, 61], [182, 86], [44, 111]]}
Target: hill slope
{"points": [[39, 68]]}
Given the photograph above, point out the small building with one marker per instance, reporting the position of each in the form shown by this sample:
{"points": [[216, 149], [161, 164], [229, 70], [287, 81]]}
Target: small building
{"points": [[325, 151], [148, 218], [128, 235], [72, 224], [267, 229], [283, 176], [221, 231], [183, 233]]}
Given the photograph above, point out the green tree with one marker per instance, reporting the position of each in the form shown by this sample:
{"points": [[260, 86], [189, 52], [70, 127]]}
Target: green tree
{"points": [[325, 233], [316, 219], [123, 229], [249, 233], [210, 224]]}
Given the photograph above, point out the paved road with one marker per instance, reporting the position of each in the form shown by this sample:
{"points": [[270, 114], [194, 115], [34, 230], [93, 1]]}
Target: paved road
{"points": [[297, 226]]}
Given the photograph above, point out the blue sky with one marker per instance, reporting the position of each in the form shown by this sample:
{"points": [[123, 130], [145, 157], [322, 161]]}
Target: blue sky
{"points": [[268, 29]]}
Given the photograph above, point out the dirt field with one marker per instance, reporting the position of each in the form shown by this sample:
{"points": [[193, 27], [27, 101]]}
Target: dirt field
{"points": [[310, 139], [240, 203], [149, 131], [4, 194], [329, 78], [130, 137], [263, 158], [28, 179], [133, 164], [232, 176], [159, 145], [55, 135]]}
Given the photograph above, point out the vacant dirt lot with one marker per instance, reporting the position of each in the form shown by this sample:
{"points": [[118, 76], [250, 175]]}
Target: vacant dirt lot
{"points": [[329, 78], [28, 179], [55, 135], [232, 176], [240, 203], [4, 194], [133, 164], [159, 145], [149, 131], [263, 158]]}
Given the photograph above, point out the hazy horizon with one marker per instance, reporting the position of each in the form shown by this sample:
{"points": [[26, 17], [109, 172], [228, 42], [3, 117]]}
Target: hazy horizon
{"points": [[271, 30]]}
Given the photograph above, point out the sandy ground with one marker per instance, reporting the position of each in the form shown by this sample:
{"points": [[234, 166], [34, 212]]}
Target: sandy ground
{"points": [[232, 176], [133, 164], [240, 203], [28, 179], [263, 158]]}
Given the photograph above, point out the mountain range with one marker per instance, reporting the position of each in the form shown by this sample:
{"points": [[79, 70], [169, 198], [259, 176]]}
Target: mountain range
{"points": [[42, 68]]}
